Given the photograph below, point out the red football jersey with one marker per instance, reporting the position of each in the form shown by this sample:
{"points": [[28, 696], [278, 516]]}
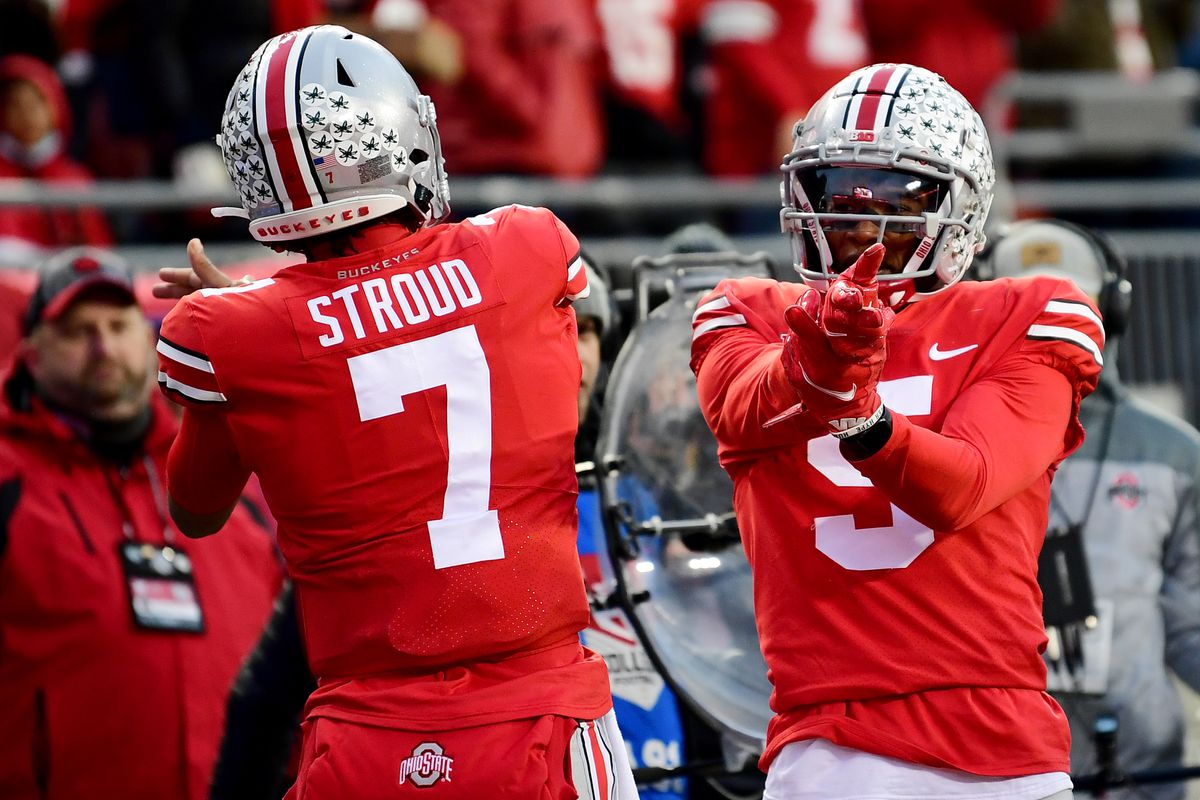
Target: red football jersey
{"points": [[768, 62], [896, 598], [642, 45], [410, 412]]}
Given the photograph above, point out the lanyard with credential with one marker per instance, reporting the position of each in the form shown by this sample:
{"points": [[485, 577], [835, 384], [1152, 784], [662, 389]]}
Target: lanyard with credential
{"points": [[161, 580], [1068, 602]]}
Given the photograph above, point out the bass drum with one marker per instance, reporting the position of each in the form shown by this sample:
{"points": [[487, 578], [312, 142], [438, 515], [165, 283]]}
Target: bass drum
{"points": [[678, 566]]}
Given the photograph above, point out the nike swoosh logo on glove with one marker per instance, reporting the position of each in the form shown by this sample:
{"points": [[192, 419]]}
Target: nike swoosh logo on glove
{"points": [[845, 396], [942, 355]]}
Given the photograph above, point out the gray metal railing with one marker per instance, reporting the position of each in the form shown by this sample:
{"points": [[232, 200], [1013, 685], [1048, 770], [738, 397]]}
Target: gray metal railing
{"points": [[1162, 346], [617, 194]]}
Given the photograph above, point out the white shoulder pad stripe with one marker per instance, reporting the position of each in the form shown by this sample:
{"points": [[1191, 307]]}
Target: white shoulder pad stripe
{"points": [[574, 267], [202, 395], [186, 359], [729, 321], [249, 287], [712, 305], [1067, 335], [587, 292], [1078, 309]]}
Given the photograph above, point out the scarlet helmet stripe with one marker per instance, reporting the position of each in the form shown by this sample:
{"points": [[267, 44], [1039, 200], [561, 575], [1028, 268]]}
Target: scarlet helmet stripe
{"points": [[879, 86], [275, 85]]}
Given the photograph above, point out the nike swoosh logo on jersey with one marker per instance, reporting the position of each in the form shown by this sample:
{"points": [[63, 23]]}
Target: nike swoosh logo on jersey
{"points": [[942, 355], [845, 396]]}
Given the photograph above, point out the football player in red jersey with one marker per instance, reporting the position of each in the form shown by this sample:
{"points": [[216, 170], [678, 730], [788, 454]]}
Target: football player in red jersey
{"points": [[891, 434], [407, 398]]}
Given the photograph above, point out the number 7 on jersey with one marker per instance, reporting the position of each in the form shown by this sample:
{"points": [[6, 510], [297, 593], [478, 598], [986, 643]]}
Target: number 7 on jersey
{"points": [[468, 531]]}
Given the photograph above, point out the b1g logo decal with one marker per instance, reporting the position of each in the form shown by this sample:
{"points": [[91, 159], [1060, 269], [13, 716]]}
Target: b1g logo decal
{"points": [[426, 766]]}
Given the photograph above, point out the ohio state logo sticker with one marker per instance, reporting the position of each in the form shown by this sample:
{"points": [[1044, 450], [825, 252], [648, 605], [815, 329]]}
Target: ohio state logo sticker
{"points": [[1127, 491], [427, 765]]}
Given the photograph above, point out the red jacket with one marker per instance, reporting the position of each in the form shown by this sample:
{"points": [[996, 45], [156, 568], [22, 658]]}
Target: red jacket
{"points": [[36, 228], [90, 705]]}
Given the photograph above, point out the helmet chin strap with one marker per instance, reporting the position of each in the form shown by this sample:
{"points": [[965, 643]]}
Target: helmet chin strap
{"points": [[927, 249], [813, 226]]}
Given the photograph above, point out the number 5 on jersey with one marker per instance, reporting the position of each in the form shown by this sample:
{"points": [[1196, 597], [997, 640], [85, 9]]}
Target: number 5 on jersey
{"points": [[891, 547], [468, 531]]}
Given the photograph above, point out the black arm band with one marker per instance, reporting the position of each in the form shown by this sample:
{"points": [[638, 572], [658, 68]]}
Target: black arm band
{"points": [[869, 442]]}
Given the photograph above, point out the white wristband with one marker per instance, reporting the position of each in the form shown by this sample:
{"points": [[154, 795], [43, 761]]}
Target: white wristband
{"points": [[861, 426]]}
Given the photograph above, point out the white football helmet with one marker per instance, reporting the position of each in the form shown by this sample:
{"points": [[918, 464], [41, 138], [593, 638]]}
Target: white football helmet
{"points": [[324, 129], [897, 147]]}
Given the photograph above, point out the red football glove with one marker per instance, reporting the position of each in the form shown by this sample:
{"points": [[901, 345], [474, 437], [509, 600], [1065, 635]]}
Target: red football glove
{"points": [[838, 347]]}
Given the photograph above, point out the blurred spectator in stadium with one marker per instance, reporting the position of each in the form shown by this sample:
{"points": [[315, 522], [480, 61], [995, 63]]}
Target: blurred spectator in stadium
{"points": [[1133, 493], [646, 707], [1189, 40], [427, 47], [29, 29], [648, 99], [599, 326], [971, 43], [528, 101], [262, 719], [698, 237], [1121, 111], [15, 287], [35, 124], [151, 76], [768, 60], [1132, 37], [117, 643]]}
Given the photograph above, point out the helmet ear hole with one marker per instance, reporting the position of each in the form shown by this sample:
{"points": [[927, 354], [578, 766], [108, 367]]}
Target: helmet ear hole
{"points": [[422, 196], [343, 77]]}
